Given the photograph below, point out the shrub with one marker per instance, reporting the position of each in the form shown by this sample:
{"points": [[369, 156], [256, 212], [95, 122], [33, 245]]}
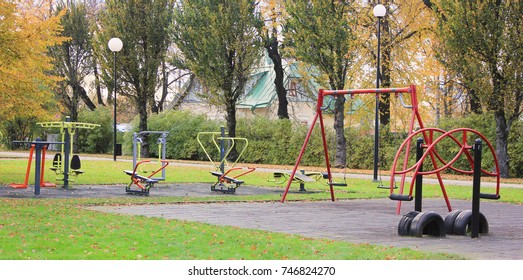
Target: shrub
{"points": [[20, 129], [280, 141], [99, 139], [182, 127], [515, 150], [484, 124]]}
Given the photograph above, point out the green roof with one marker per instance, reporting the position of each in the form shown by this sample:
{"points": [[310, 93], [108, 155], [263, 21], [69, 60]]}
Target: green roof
{"points": [[262, 92]]}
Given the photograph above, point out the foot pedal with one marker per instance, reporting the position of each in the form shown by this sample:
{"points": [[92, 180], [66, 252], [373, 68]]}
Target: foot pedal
{"points": [[489, 196], [401, 197], [385, 187]]}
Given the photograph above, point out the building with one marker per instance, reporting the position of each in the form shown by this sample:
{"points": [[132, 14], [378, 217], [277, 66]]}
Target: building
{"points": [[260, 98]]}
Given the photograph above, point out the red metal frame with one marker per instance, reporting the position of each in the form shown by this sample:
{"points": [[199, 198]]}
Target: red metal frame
{"points": [[428, 135], [135, 177], [224, 176], [411, 90]]}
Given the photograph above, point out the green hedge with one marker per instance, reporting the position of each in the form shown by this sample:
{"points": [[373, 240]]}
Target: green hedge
{"points": [[99, 139], [280, 141]]}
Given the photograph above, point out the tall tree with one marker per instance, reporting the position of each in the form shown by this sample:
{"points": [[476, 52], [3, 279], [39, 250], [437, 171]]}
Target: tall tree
{"points": [[220, 43], [26, 88], [274, 14], [483, 41], [322, 33], [143, 26], [404, 29], [73, 58]]}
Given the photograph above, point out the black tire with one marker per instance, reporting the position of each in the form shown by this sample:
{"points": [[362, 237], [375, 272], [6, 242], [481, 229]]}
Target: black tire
{"points": [[463, 223], [404, 224], [450, 219], [429, 223]]}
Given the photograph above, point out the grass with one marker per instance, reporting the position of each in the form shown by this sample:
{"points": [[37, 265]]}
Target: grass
{"points": [[63, 229], [44, 229]]}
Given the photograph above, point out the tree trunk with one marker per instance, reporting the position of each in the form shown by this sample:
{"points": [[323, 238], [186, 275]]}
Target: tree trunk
{"points": [[502, 133], [181, 96], [99, 98], [165, 87], [475, 103], [157, 107], [496, 103], [339, 124], [231, 128], [73, 109], [142, 111], [85, 98], [272, 49]]}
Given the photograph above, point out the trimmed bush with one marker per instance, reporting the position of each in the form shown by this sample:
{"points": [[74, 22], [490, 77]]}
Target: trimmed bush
{"points": [[280, 141], [99, 139]]}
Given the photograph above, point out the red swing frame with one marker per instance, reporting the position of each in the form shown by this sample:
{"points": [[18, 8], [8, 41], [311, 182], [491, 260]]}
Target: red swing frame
{"points": [[415, 116], [427, 133]]}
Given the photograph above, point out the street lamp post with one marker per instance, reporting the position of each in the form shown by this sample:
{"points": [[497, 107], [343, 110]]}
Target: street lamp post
{"points": [[379, 11], [115, 45]]}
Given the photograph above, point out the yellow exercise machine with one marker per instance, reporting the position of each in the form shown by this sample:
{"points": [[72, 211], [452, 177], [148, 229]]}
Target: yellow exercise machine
{"points": [[227, 182], [66, 163]]}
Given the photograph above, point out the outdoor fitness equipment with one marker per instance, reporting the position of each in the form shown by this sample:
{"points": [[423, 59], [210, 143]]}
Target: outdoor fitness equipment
{"points": [[66, 163], [40, 147], [415, 117], [143, 182], [226, 182], [458, 222], [161, 142], [460, 137]]}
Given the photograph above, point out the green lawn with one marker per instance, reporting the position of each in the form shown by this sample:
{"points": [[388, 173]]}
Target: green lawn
{"points": [[44, 229]]}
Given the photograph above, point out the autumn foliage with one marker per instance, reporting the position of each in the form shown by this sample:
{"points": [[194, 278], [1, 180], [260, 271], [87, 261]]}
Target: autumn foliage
{"points": [[25, 35]]}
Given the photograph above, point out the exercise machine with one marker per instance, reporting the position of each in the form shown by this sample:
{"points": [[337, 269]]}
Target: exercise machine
{"points": [[66, 165], [38, 147], [227, 175], [139, 177]]}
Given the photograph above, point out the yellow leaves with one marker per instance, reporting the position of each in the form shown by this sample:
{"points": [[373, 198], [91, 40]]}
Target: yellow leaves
{"points": [[25, 36], [273, 14]]}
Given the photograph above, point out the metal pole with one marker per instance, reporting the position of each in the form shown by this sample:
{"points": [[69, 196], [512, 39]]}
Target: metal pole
{"points": [[67, 150], [135, 149], [114, 96], [164, 151], [38, 160], [377, 111], [476, 185], [419, 178], [222, 150]]}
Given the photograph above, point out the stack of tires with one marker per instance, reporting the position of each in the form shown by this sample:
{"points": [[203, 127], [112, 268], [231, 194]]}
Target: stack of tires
{"points": [[457, 222]]}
